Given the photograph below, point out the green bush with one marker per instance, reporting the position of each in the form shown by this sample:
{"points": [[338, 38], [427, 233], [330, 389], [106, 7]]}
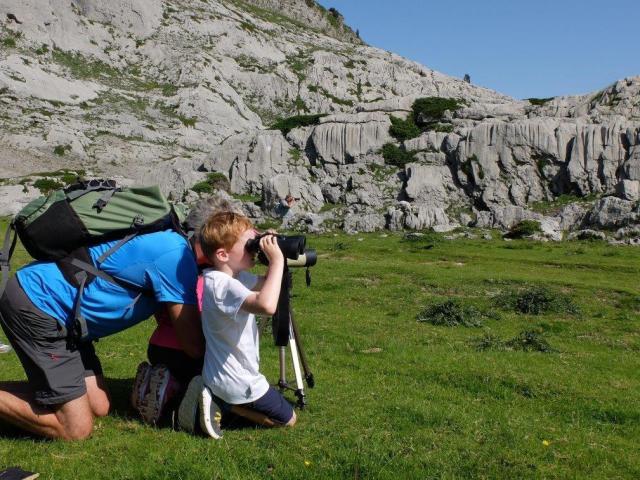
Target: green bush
{"points": [[9, 42], [285, 125], [539, 101], [537, 300], [215, 181], [202, 187], [525, 341], [394, 155], [429, 110], [403, 130], [529, 341], [47, 185], [524, 228], [451, 313], [188, 121], [60, 150]]}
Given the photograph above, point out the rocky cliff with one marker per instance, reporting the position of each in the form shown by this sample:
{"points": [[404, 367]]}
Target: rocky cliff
{"points": [[279, 96]]}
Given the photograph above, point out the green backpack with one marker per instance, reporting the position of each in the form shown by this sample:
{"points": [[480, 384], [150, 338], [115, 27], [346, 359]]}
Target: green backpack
{"points": [[61, 226]]}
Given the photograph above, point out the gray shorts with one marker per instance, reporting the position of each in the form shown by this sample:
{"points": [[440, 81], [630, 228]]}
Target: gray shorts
{"points": [[55, 368]]}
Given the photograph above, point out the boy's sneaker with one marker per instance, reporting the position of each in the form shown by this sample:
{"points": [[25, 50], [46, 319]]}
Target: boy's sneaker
{"points": [[140, 385], [4, 348], [188, 410], [162, 388], [210, 414]]}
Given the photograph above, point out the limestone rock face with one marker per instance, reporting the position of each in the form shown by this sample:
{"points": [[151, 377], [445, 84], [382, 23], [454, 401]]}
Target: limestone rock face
{"points": [[165, 92], [344, 139]]}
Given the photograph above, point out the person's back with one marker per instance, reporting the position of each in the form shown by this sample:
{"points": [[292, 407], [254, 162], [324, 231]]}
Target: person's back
{"points": [[147, 262]]}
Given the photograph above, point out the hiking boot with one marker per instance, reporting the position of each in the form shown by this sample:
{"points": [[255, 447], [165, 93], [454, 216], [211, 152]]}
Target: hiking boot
{"points": [[188, 410], [140, 385], [210, 414], [162, 388], [4, 348]]}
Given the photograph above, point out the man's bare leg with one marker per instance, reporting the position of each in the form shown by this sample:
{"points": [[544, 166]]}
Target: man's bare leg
{"points": [[70, 421]]}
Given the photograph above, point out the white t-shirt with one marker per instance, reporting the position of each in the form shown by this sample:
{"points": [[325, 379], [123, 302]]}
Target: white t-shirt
{"points": [[232, 357]]}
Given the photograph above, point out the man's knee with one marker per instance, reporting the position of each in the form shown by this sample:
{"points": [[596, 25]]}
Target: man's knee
{"points": [[75, 419], [292, 421], [98, 396], [79, 431]]}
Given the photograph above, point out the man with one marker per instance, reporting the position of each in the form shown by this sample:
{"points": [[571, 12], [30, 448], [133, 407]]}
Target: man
{"points": [[65, 390]]}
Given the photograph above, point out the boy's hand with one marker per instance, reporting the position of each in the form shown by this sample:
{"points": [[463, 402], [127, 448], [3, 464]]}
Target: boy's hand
{"points": [[269, 245]]}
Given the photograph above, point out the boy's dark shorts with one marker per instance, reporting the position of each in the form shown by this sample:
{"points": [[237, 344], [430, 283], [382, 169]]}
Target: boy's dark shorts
{"points": [[56, 370], [272, 404]]}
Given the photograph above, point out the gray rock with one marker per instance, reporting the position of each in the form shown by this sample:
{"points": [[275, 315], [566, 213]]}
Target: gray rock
{"points": [[611, 213], [363, 222]]}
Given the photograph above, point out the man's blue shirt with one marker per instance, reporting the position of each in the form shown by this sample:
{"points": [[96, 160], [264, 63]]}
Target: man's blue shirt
{"points": [[161, 263]]}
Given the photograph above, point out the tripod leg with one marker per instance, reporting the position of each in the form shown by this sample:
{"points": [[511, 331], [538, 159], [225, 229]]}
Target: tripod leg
{"points": [[282, 382], [296, 368], [303, 358]]}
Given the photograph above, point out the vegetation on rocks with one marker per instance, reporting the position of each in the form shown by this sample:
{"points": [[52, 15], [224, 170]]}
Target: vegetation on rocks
{"points": [[427, 114], [215, 181], [524, 228], [285, 125], [397, 156]]}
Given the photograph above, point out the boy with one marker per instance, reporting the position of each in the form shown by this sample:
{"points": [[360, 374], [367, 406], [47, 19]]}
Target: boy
{"points": [[231, 298]]}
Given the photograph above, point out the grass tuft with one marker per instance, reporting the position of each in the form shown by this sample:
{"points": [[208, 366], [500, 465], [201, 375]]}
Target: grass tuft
{"points": [[451, 313], [537, 300]]}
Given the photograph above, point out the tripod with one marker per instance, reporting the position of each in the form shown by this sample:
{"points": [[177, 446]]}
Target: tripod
{"points": [[285, 331]]}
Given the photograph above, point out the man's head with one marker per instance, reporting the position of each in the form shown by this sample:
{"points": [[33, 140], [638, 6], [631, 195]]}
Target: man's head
{"points": [[223, 237], [199, 214]]}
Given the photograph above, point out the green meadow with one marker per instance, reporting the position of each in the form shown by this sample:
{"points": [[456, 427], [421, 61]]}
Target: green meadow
{"points": [[506, 394]]}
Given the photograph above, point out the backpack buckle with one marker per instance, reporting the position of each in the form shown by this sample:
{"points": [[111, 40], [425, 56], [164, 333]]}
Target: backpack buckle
{"points": [[138, 221]]}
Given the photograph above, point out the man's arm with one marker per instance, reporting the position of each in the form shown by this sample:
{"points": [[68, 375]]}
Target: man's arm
{"points": [[186, 322]]}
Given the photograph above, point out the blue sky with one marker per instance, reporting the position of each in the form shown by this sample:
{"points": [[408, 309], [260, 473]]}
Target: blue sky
{"points": [[532, 48]]}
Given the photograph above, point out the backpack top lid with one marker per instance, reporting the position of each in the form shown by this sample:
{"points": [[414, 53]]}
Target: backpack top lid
{"points": [[85, 214]]}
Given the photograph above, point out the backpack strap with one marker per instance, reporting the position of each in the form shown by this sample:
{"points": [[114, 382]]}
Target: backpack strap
{"points": [[78, 190], [5, 256], [79, 330]]}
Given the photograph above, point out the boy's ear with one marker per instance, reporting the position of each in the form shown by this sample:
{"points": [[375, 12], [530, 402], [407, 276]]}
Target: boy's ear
{"points": [[221, 255]]}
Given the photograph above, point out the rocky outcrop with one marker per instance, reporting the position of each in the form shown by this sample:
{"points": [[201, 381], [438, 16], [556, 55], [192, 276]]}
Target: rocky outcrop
{"points": [[169, 92]]}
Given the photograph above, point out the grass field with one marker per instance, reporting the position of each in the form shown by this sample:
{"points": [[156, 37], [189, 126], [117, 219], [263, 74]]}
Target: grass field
{"points": [[398, 398]]}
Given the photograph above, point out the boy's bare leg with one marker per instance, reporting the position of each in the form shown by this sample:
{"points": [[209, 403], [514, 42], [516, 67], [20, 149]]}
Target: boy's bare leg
{"points": [[261, 418], [72, 420]]}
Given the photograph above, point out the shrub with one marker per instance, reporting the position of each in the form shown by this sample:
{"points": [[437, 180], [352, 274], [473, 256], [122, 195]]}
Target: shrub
{"points": [[428, 110], [451, 313], [539, 101], [9, 42], [529, 341], [525, 341], [188, 121], [47, 185], [202, 187], [524, 228], [536, 300], [403, 130], [285, 125], [214, 181], [394, 155], [60, 150]]}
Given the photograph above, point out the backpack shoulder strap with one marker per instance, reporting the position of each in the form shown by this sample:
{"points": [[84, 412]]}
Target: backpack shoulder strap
{"points": [[5, 255]]}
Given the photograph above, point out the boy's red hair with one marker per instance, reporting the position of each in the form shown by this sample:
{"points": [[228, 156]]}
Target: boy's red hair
{"points": [[222, 230]]}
